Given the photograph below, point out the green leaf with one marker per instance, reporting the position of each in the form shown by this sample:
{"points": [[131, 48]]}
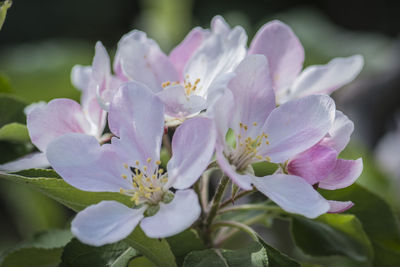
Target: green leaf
{"points": [[5, 86], [3, 11], [142, 262], [77, 254], [185, 242], [277, 258], [157, 251], [64, 193], [253, 254], [16, 132], [43, 249], [11, 110], [378, 221], [332, 234]]}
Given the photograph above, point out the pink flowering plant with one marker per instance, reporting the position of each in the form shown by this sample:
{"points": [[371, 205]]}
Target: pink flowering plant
{"points": [[171, 157]]}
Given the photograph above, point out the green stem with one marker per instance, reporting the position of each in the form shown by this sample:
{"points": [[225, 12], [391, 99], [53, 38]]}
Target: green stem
{"points": [[214, 208], [237, 225], [217, 199], [252, 207], [225, 235], [240, 195]]}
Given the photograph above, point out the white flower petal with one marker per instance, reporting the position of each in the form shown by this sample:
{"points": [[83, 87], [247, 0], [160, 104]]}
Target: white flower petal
{"points": [[30, 161], [293, 194], [324, 79], [174, 217], [106, 222], [192, 147]]}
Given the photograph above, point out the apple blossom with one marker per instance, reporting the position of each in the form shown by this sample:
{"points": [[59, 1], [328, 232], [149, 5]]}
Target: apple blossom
{"points": [[184, 80], [320, 167], [264, 132], [46, 122], [285, 55], [131, 165]]}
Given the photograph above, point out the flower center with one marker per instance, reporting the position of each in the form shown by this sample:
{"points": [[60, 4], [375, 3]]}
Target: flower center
{"points": [[187, 85], [147, 185], [246, 150]]}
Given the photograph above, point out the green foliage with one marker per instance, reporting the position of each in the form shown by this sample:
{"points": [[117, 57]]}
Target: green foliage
{"points": [[15, 132], [43, 249], [156, 250], [76, 254], [378, 221], [5, 86], [185, 242], [254, 254], [11, 110], [332, 234], [277, 258]]}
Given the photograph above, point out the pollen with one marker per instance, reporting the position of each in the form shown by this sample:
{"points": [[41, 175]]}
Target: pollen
{"points": [[248, 146], [190, 87], [146, 187]]}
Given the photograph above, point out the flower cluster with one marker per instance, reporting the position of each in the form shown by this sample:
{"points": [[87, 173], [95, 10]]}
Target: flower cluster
{"points": [[229, 106]]}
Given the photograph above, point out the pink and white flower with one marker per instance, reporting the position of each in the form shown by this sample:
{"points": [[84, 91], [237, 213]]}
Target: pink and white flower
{"points": [[130, 165], [285, 55], [320, 165], [46, 122], [264, 132], [186, 79]]}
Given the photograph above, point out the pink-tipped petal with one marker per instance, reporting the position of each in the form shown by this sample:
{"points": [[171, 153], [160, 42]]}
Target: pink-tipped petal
{"points": [[218, 54], [106, 222], [293, 194], [178, 104], [84, 164], [101, 63], [219, 25], [339, 134], [141, 59], [174, 217], [297, 125], [180, 55], [314, 164], [343, 175], [58, 117], [339, 206], [81, 76], [253, 94], [192, 147], [242, 180], [284, 52], [140, 114], [324, 79], [30, 161]]}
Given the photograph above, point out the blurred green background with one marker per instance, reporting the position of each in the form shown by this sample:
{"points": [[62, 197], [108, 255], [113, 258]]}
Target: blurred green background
{"points": [[40, 42]]}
